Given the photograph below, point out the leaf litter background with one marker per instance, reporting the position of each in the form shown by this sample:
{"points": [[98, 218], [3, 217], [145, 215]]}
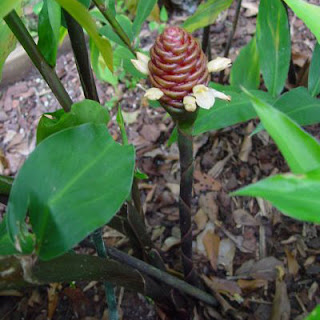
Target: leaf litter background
{"points": [[259, 263]]}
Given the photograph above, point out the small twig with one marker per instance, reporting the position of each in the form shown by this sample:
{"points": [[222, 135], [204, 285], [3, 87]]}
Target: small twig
{"points": [[80, 52], [231, 35], [114, 23], [162, 276], [19, 30]]}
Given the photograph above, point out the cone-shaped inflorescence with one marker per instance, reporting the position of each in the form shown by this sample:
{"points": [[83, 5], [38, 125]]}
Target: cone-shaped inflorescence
{"points": [[177, 64]]}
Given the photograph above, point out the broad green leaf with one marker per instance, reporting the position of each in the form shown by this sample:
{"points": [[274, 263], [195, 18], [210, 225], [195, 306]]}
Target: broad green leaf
{"points": [[99, 67], [246, 68], [49, 30], [297, 196], [7, 6], [7, 43], [301, 150], [111, 5], [309, 13], [299, 106], [206, 14], [7, 246], [315, 314], [144, 9], [224, 114], [314, 72], [5, 184], [163, 14], [273, 43], [81, 14], [73, 183], [86, 111]]}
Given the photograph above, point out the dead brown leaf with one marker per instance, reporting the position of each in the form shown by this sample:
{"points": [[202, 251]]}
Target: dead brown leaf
{"points": [[200, 219], [243, 218], [53, 298], [246, 146], [204, 182], [211, 242], [251, 285], [209, 206], [281, 308], [227, 250], [293, 265]]}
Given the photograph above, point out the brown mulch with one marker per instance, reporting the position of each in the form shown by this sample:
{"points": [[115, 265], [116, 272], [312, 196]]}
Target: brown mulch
{"points": [[258, 261]]}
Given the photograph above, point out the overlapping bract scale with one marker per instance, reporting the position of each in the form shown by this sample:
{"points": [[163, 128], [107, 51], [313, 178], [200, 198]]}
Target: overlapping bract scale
{"points": [[177, 64]]}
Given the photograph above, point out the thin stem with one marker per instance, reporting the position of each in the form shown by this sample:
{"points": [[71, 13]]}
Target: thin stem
{"points": [[19, 30], [162, 276], [231, 35], [185, 144], [80, 52], [109, 290], [114, 23], [206, 38]]}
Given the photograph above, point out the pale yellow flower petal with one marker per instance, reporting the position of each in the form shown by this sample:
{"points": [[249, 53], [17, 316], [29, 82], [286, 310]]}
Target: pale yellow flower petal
{"points": [[153, 94], [141, 66], [190, 103], [142, 57], [220, 95], [219, 64], [204, 96]]}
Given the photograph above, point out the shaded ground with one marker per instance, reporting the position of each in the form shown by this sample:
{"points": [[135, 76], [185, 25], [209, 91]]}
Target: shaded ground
{"points": [[239, 243]]}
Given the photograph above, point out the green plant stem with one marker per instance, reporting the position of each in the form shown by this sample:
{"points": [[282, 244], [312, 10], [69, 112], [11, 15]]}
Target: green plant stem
{"points": [[109, 289], [185, 144], [114, 24], [162, 276], [80, 52], [231, 35], [19, 30]]}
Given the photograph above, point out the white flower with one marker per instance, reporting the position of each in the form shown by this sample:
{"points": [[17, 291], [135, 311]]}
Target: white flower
{"points": [[219, 64], [141, 64], [190, 103], [153, 94], [204, 97]]}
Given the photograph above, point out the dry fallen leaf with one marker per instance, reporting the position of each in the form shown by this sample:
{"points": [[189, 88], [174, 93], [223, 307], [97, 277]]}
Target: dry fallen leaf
{"points": [[293, 265], [251, 285], [53, 298], [251, 8], [218, 167], [281, 308], [200, 219], [243, 218], [209, 206], [200, 244], [246, 146], [204, 182], [227, 250], [169, 243], [211, 242]]}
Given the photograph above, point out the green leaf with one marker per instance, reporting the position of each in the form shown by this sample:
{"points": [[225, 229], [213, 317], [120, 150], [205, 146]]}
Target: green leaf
{"points": [[73, 183], [5, 184], [99, 67], [86, 111], [315, 314], [206, 14], [144, 9], [314, 72], [246, 68], [7, 44], [49, 30], [81, 14], [301, 150], [7, 246], [111, 5], [309, 13], [298, 196], [7, 6], [163, 14], [225, 114], [274, 46]]}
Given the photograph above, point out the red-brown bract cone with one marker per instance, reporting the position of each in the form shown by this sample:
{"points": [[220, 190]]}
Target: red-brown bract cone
{"points": [[177, 64]]}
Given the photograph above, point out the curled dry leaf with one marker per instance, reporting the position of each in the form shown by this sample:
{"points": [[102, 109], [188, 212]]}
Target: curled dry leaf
{"points": [[264, 269], [209, 206], [251, 285], [219, 166], [200, 219], [200, 243], [293, 265], [204, 182], [281, 308], [169, 243], [53, 298], [211, 242], [227, 250], [251, 8], [243, 218], [246, 146]]}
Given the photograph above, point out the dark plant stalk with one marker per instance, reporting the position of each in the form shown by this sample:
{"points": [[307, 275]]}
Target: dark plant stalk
{"points": [[185, 144], [206, 39], [80, 52], [109, 289], [19, 30], [114, 23], [162, 276], [231, 35]]}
